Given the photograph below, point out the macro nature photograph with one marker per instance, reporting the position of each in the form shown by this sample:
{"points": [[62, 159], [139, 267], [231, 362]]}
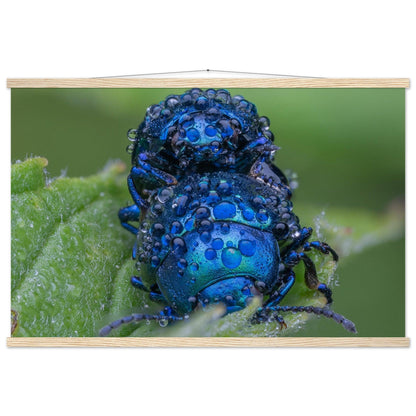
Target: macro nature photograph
{"points": [[208, 212]]}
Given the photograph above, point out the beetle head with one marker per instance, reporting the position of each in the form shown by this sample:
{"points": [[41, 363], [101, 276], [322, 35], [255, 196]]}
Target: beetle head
{"points": [[208, 128]]}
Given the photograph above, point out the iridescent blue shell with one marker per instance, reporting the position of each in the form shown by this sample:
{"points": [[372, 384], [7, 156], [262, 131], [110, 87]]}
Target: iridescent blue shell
{"points": [[209, 228]]}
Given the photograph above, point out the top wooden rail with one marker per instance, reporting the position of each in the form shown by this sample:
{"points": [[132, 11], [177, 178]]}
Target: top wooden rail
{"points": [[208, 82]]}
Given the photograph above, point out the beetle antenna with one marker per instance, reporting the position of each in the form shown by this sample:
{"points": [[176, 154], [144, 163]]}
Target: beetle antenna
{"points": [[328, 313], [137, 317]]}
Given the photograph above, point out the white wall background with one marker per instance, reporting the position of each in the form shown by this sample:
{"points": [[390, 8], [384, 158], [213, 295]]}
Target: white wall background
{"points": [[317, 38]]}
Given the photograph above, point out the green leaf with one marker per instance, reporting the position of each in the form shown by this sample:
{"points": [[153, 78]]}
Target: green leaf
{"points": [[66, 249], [28, 176], [71, 260]]}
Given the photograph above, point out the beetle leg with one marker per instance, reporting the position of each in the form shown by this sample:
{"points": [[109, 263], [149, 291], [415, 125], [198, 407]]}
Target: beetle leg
{"points": [[136, 281], [301, 241], [298, 241], [146, 170], [324, 248], [164, 317], [266, 315], [311, 276], [130, 213], [270, 311], [138, 200], [262, 146], [278, 295], [271, 176], [157, 297]]}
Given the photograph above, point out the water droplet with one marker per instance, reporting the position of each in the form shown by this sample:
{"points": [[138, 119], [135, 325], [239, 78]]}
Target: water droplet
{"points": [[225, 228], [144, 228], [215, 146], [201, 103], [203, 185], [213, 197], [262, 216], [205, 225], [194, 267], [132, 135], [155, 261], [186, 121], [247, 247], [192, 134], [186, 99], [157, 230], [157, 247], [259, 201], [281, 230], [202, 212], [217, 243], [164, 194], [154, 111], [260, 286], [163, 322], [229, 299], [224, 210], [157, 209], [248, 214], [210, 131], [231, 257], [172, 102], [182, 263], [224, 188], [179, 246], [176, 227], [264, 123], [210, 254], [246, 291], [194, 204], [223, 96], [206, 237]]}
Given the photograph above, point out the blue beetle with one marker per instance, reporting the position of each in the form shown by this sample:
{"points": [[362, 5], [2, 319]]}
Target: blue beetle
{"points": [[216, 223]]}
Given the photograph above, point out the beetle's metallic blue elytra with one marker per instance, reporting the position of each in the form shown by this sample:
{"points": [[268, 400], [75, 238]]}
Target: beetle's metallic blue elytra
{"points": [[215, 219]]}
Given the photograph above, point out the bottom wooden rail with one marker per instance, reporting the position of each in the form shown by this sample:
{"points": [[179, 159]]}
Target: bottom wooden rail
{"points": [[208, 342]]}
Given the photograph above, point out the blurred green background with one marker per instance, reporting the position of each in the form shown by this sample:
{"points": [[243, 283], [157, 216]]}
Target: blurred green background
{"points": [[346, 145]]}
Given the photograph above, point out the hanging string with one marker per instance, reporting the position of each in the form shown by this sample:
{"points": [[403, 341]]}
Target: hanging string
{"points": [[206, 71]]}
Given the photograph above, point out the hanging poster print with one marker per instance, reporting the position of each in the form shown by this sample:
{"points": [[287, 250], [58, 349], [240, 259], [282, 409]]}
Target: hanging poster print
{"points": [[252, 213]]}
